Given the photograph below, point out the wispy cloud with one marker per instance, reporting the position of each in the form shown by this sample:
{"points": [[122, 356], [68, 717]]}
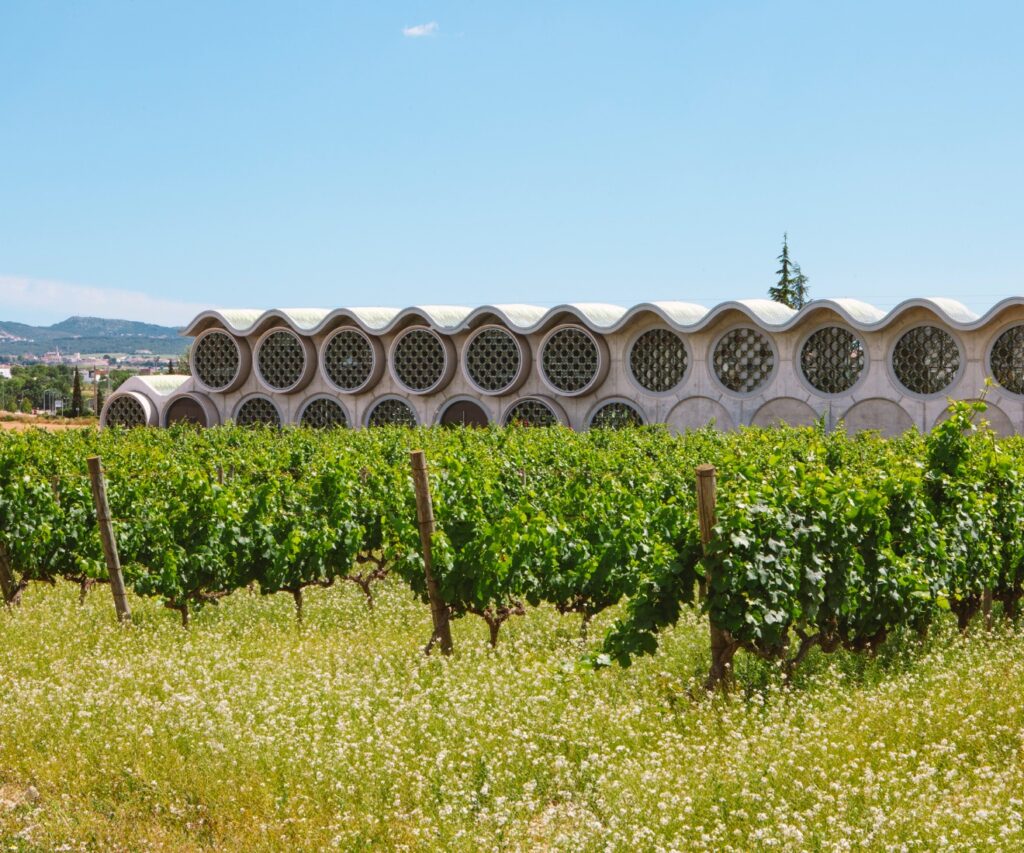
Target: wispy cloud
{"points": [[35, 301], [421, 30]]}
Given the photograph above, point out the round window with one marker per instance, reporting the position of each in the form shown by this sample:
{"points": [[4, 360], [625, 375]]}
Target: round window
{"points": [[281, 360], [658, 360], [392, 412], [125, 411], [493, 360], [1006, 360], [832, 359], [531, 412], [215, 360], [258, 410], [926, 360], [743, 360], [419, 360], [348, 360], [324, 413], [615, 416], [570, 360]]}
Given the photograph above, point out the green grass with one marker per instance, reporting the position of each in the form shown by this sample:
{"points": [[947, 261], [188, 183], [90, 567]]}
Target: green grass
{"points": [[248, 732]]}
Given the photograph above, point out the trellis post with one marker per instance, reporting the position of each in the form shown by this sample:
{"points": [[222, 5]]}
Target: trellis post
{"points": [[425, 517], [8, 584], [722, 646], [99, 495]]}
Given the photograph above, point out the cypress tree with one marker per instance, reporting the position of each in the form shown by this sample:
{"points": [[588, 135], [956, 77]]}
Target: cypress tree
{"points": [[76, 395]]}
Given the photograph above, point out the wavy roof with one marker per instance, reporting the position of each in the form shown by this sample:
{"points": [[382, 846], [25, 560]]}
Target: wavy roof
{"points": [[598, 316]]}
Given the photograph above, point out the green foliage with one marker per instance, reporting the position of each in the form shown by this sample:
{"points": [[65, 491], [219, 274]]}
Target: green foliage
{"points": [[821, 539], [30, 383], [183, 365], [118, 378]]}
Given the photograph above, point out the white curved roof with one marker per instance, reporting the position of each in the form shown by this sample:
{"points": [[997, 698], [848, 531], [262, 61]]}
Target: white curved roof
{"points": [[159, 385], [598, 316]]}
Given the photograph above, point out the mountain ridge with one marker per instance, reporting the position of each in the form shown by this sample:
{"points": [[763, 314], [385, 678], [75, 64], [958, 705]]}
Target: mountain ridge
{"points": [[89, 335]]}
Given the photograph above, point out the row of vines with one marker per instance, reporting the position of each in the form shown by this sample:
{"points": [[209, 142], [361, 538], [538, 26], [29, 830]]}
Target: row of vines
{"points": [[822, 540]]}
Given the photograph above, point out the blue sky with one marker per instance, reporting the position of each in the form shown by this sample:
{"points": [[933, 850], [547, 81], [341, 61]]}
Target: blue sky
{"points": [[156, 158]]}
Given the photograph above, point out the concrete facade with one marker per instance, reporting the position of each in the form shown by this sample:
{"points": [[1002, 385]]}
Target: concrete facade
{"points": [[754, 339]]}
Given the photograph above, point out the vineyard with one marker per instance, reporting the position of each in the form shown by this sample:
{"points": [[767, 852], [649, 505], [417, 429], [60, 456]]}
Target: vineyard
{"points": [[298, 711], [819, 540]]}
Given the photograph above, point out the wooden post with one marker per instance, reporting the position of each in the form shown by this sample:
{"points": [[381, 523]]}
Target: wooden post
{"points": [[220, 474], [99, 494], [425, 517], [706, 496], [722, 646], [986, 607], [8, 584]]}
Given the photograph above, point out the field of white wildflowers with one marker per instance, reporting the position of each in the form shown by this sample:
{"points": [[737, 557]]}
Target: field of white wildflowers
{"points": [[249, 731]]}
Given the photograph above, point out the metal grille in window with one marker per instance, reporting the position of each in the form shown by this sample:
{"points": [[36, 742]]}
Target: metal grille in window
{"points": [[743, 360], [419, 360], [125, 411], [324, 414], [281, 360], [392, 413], [570, 360], [926, 360], [258, 410], [348, 360], [493, 359], [616, 416], [832, 359], [216, 360], [1007, 360], [532, 413], [658, 360]]}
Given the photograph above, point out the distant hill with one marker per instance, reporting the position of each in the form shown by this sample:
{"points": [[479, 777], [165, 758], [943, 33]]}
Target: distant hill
{"points": [[89, 336]]}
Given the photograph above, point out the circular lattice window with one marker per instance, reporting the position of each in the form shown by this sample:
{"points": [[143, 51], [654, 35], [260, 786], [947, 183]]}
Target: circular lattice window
{"points": [[281, 360], [258, 410], [926, 360], [125, 411], [532, 413], [570, 360], [743, 360], [349, 360], [215, 360], [832, 359], [657, 360], [392, 412], [615, 416], [1007, 360], [493, 360], [419, 360], [323, 413]]}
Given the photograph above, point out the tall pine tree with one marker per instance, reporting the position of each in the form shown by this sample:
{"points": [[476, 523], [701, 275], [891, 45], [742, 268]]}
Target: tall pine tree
{"points": [[791, 289], [800, 288]]}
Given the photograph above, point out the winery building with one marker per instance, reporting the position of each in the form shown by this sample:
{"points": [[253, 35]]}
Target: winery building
{"points": [[748, 362]]}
